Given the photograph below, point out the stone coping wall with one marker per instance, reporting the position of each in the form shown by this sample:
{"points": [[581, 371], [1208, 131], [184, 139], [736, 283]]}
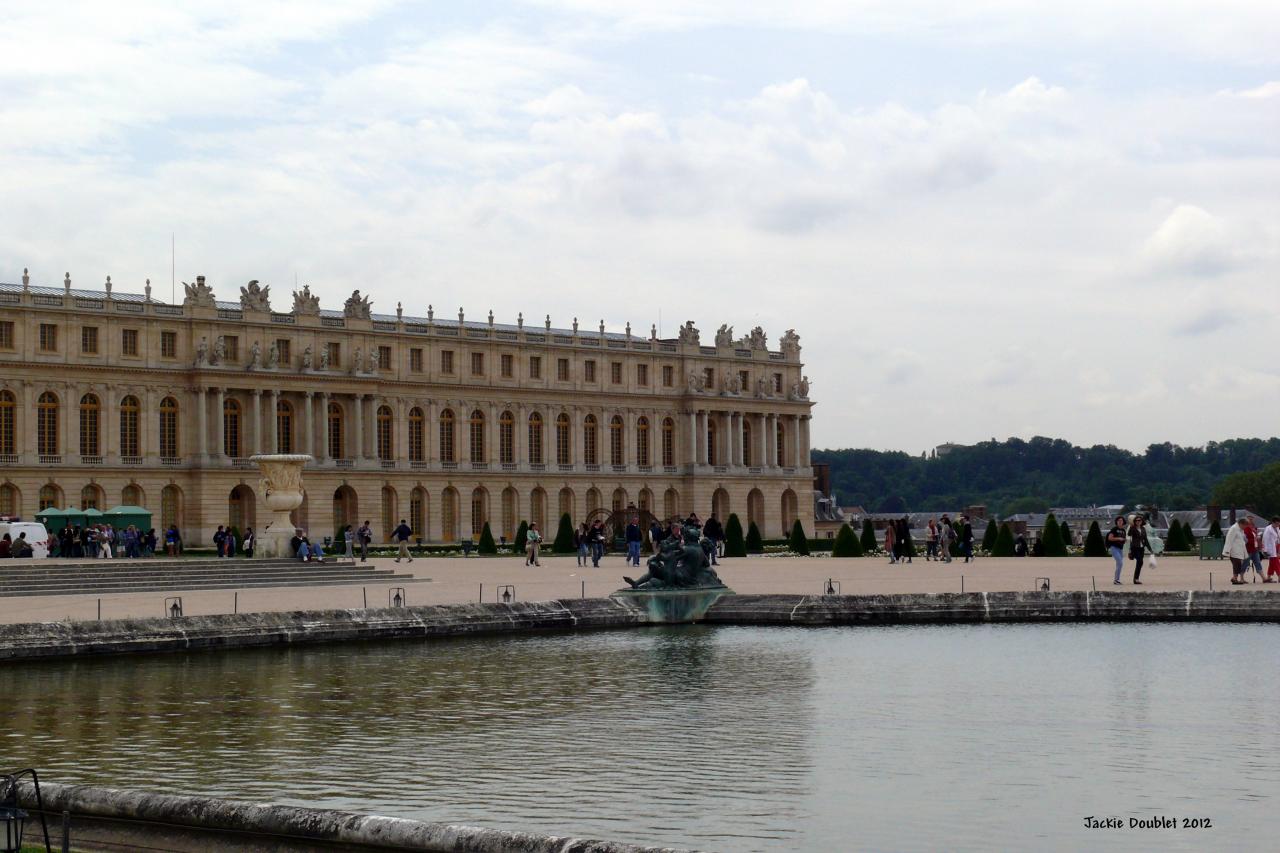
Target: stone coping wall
{"points": [[74, 639], [113, 819]]}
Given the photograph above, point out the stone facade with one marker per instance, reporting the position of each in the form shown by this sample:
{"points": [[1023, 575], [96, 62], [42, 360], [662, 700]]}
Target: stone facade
{"points": [[109, 398]]}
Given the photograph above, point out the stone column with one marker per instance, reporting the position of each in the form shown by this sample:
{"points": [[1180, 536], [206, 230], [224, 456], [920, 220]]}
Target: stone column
{"points": [[804, 458], [273, 429], [356, 452], [219, 422], [522, 440], [799, 444], [431, 437], [110, 423], [762, 431], [401, 409], [691, 448], [256, 393], [308, 425], [202, 423], [27, 447], [629, 433], [71, 410]]}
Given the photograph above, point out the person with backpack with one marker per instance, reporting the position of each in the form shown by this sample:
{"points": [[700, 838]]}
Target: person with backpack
{"points": [[402, 534], [364, 535]]}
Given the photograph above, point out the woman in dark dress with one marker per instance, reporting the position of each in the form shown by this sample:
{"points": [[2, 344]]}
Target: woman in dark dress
{"points": [[1138, 546]]}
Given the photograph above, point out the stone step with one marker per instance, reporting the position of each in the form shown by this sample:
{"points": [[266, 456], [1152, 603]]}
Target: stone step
{"points": [[165, 563], [194, 585], [249, 571]]}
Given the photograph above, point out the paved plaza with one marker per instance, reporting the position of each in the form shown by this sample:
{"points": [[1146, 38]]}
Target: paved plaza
{"points": [[456, 580]]}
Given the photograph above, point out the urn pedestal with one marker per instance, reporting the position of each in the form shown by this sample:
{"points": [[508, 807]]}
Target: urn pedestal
{"points": [[281, 490]]}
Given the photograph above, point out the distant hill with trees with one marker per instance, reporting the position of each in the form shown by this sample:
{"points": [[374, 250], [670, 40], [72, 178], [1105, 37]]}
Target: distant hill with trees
{"points": [[1030, 476]]}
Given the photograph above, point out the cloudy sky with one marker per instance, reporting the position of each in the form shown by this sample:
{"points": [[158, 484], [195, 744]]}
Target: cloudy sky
{"points": [[984, 219]]}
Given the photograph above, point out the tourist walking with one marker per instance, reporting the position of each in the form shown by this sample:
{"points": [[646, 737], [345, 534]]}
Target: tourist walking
{"points": [[348, 538], [402, 534], [1235, 547], [1253, 544], [931, 541], [249, 543], [966, 538], [365, 536], [580, 543], [946, 537], [713, 531], [634, 537], [1116, 538], [597, 542], [532, 540], [905, 545], [1138, 546], [1271, 547], [655, 535], [891, 541]]}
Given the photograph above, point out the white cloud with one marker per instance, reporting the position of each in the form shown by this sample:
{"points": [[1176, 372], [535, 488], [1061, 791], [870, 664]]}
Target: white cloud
{"points": [[1189, 241]]}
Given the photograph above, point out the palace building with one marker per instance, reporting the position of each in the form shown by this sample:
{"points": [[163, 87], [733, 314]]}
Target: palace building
{"points": [[113, 398]]}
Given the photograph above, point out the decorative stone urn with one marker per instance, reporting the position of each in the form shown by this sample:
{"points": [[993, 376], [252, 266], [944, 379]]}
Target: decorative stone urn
{"points": [[281, 489]]}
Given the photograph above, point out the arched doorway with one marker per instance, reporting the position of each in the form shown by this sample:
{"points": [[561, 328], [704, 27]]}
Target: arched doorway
{"points": [[619, 499], [346, 509], [789, 511], [670, 504], [50, 495], [755, 508], [132, 495], [240, 508], [566, 505], [479, 512], [538, 508], [720, 505], [10, 500], [171, 507], [593, 500], [646, 500], [418, 512]]}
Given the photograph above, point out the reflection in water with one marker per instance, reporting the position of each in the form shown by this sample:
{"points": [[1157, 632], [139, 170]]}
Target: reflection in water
{"points": [[726, 738]]}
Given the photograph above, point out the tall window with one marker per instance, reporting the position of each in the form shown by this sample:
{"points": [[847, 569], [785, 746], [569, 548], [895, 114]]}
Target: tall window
{"points": [[712, 456], [231, 427], [562, 369], [446, 361], [131, 495], [337, 439], [508, 365], [589, 370], [49, 496], [232, 344], [384, 358], [449, 514], [479, 511], [564, 447], [386, 451], [416, 443], [616, 456], [477, 364], [476, 436], [129, 426], [90, 412], [746, 441], [446, 436], [615, 372], [668, 376], [89, 498], [642, 375], [335, 354], [169, 428], [283, 352], [591, 440], [418, 511], [780, 441], [47, 424], [8, 499], [129, 342], [668, 441], [89, 340], [284, 426], [170, 505], [48, 337], [388, 511], [535, 438], [642, 441], [535, 367], [415, 360], [6, 334], [507, 438], [168, 344], [8, 407]]}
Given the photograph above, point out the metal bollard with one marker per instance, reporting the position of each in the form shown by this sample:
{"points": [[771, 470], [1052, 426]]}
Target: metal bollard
{"points": [[66, 832]]}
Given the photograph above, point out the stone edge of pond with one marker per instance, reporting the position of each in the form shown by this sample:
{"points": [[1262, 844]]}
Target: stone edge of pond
{"points": [[34, 640], [114, 818]]}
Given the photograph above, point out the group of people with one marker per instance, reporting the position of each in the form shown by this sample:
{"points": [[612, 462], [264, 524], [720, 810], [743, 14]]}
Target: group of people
{"points": [[940, 537], [224, 542], [1130, 535], [102, 541], [1245, 546], [18, 548], [589, 539]]}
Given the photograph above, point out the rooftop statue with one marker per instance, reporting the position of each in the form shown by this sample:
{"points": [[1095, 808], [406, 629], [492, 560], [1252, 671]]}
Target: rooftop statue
{"points": [[254, 297], [791, 344], [689, 334], [304, 302], [757, 339], [724, 337], [199, 295], [683, 561], [357, 306]]}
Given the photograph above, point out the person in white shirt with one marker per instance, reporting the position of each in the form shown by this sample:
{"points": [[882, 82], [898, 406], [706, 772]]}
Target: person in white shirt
{"points": [[1271, 547], [1236, 549]]}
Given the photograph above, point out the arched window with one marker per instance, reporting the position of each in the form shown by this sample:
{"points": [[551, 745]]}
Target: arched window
{"points": [[538, 509], [668, 442], [619, 500], [284, 426], [476, 437], [416, 438], [231, 427], [168, 428], [47, 424], [131, 495], [564, 446], [746, 441], [171, 507], [386, 451], [90, 416], [642, 442], [336, 432], [646, 500], [8, 409], [129, 444], [509, 513], [91, 497], [9, 501], [479, 511], [593, 500], [389, 519], [591, 440], [616, 447], [446, 436], [507, 438], [566, 502], [418, 512], [535, 438], [50, 495], [670, 503]]}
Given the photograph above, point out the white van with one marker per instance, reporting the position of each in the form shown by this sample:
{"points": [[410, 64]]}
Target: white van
{"points": [[37, 536]]}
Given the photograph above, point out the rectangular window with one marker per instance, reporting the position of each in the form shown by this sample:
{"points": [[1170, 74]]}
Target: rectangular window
{"points": [[415, 359], [384, 358], [335, 356], [615, 372], [668, 376], [89, 340], [283, 352], [535, 367], [477, 364], [168, 344], [6, 334], [129, 341], [508, 365], [48, 337], [642, 375], [709, 377], [446, 361], [744, 380], [232, 343], [589, 370], [562, 369], [777, 383]]}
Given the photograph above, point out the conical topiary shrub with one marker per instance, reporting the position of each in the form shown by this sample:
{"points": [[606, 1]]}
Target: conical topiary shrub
{"points": [[1176, 541], [486, 545], [1051, 538], [1094, 544], [868, 539], [522, 535], [1003, 546], [1067, 538], [755, 542], [1215, 529], [798, 542], [846, 544], [734, 545], [989, 538], [564, 537], [1188, 535]]}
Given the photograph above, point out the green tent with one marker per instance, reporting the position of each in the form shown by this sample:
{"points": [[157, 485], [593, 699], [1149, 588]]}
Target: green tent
{"points": [[55, 519], [121, 517]]}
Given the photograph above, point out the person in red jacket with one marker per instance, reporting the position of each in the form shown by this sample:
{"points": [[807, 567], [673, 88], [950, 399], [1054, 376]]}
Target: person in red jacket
{"points": [[1253, 545]]}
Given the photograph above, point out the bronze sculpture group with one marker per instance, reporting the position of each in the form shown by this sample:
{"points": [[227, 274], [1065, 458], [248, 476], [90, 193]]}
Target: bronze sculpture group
{"points": [[683, 561]]}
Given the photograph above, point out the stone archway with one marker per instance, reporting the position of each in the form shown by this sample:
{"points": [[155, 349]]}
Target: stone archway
{"points": [[720, 505], [241, 508], [346, 509], [790, 510]]}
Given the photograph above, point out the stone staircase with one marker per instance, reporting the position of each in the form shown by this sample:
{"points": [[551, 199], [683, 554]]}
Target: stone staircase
{"points": [[104, 577]]}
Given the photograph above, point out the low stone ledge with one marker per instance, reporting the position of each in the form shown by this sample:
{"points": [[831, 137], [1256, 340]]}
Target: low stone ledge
{"points": [[66, 639], [110, 818]]}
